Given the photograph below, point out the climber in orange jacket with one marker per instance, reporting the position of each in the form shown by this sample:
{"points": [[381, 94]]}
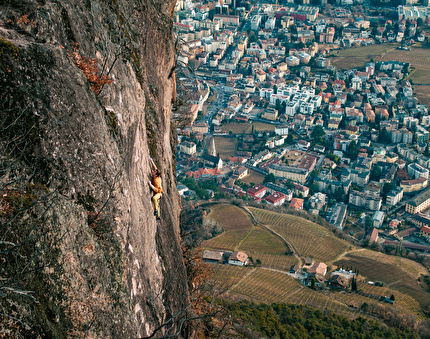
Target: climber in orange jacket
{"points": [[156, 188]]}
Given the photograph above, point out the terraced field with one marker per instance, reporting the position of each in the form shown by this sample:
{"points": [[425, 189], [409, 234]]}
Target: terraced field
{"points": [[307, 238], [268, 286], [260, 240], [397, 274], [236, 225], [271, 283], [275, 262]]}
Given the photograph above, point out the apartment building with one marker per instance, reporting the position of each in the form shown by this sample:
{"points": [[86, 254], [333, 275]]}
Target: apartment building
{"points": [[394, 196], [419, 203], [416, 171], [289, 172], [367, 200], [413, 185]]}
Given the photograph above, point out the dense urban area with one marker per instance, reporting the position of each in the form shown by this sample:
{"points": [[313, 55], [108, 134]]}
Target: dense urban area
{"points": [[272, 113], [265, 103]]}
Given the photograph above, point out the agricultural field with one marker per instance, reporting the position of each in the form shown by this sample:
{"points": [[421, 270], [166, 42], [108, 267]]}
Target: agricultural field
{"points": [[262, 241], [275, 262], [396, 273], [225, 146], [405, 302], [269, 286], [236, 225], [270, 282], [254, 176], [358, 56], [307, 238], [226, 276], [239, 128]]}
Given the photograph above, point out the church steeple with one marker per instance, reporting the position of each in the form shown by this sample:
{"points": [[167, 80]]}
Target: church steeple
{"points": [[212, 149]]}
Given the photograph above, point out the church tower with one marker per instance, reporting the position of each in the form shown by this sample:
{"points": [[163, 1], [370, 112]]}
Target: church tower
{"points": [[212, 149]]}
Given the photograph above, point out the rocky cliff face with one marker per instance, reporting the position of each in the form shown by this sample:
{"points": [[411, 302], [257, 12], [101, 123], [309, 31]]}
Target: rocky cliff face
{"points": [[87, 88]]}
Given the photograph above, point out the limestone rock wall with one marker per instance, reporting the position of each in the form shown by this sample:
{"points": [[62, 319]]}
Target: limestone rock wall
{"points": [[110, 270]]}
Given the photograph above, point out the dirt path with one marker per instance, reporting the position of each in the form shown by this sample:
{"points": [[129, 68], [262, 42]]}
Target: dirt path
{"points": [[347, 252], [286, 242]]}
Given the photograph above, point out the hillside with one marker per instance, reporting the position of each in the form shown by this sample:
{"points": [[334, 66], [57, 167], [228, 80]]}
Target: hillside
{"points": [[281, 240], [87, 88]]}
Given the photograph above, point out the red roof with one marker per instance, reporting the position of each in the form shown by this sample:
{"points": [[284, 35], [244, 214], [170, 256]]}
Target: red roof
{"points": [[256, 189], [296, 203], [204, 172], [374, 235], [275, 197], [425, 229]]}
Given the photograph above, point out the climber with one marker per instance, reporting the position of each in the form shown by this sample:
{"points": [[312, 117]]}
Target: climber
{"points": [[156, 188]]}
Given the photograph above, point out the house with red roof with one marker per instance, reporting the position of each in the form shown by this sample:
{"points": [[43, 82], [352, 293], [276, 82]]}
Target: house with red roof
{"points": [[238, 258], [205, 173], [296, 203], [258, 191], [425, 232], [374, 235], [276, 199]]}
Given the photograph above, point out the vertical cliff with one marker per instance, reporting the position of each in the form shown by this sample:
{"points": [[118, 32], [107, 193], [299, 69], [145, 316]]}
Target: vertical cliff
{"points": [[86, 96]]}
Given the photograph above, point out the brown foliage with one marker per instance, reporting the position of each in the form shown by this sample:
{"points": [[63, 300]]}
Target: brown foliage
{"points": [[89, 67], [24, 21]]}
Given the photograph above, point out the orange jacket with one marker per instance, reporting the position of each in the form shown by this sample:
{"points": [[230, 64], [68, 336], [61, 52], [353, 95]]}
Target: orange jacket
{"points": [[157, 185]]}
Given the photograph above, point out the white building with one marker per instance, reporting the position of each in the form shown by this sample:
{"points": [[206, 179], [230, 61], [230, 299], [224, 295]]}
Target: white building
{"points": [[281, 130], [255, 23], [378, 219], [416, 171], [188, 147], [394, 196], [270, 23]]}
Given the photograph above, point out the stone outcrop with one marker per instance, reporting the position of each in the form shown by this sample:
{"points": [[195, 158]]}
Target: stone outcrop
{"points": [[101, 265]]}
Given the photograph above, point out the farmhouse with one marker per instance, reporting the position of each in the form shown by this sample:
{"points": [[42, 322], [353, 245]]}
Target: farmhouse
{"points": [[319, 279], [318, 268], [238, 259], [339, 281], [294, 269], [212, 256]]}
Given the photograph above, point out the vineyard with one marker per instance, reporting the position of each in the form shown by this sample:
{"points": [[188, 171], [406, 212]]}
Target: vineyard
{"points": [[397, 275], [270, 281], [268, 286], [236, 225], [307, 238], [260, 240]]}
